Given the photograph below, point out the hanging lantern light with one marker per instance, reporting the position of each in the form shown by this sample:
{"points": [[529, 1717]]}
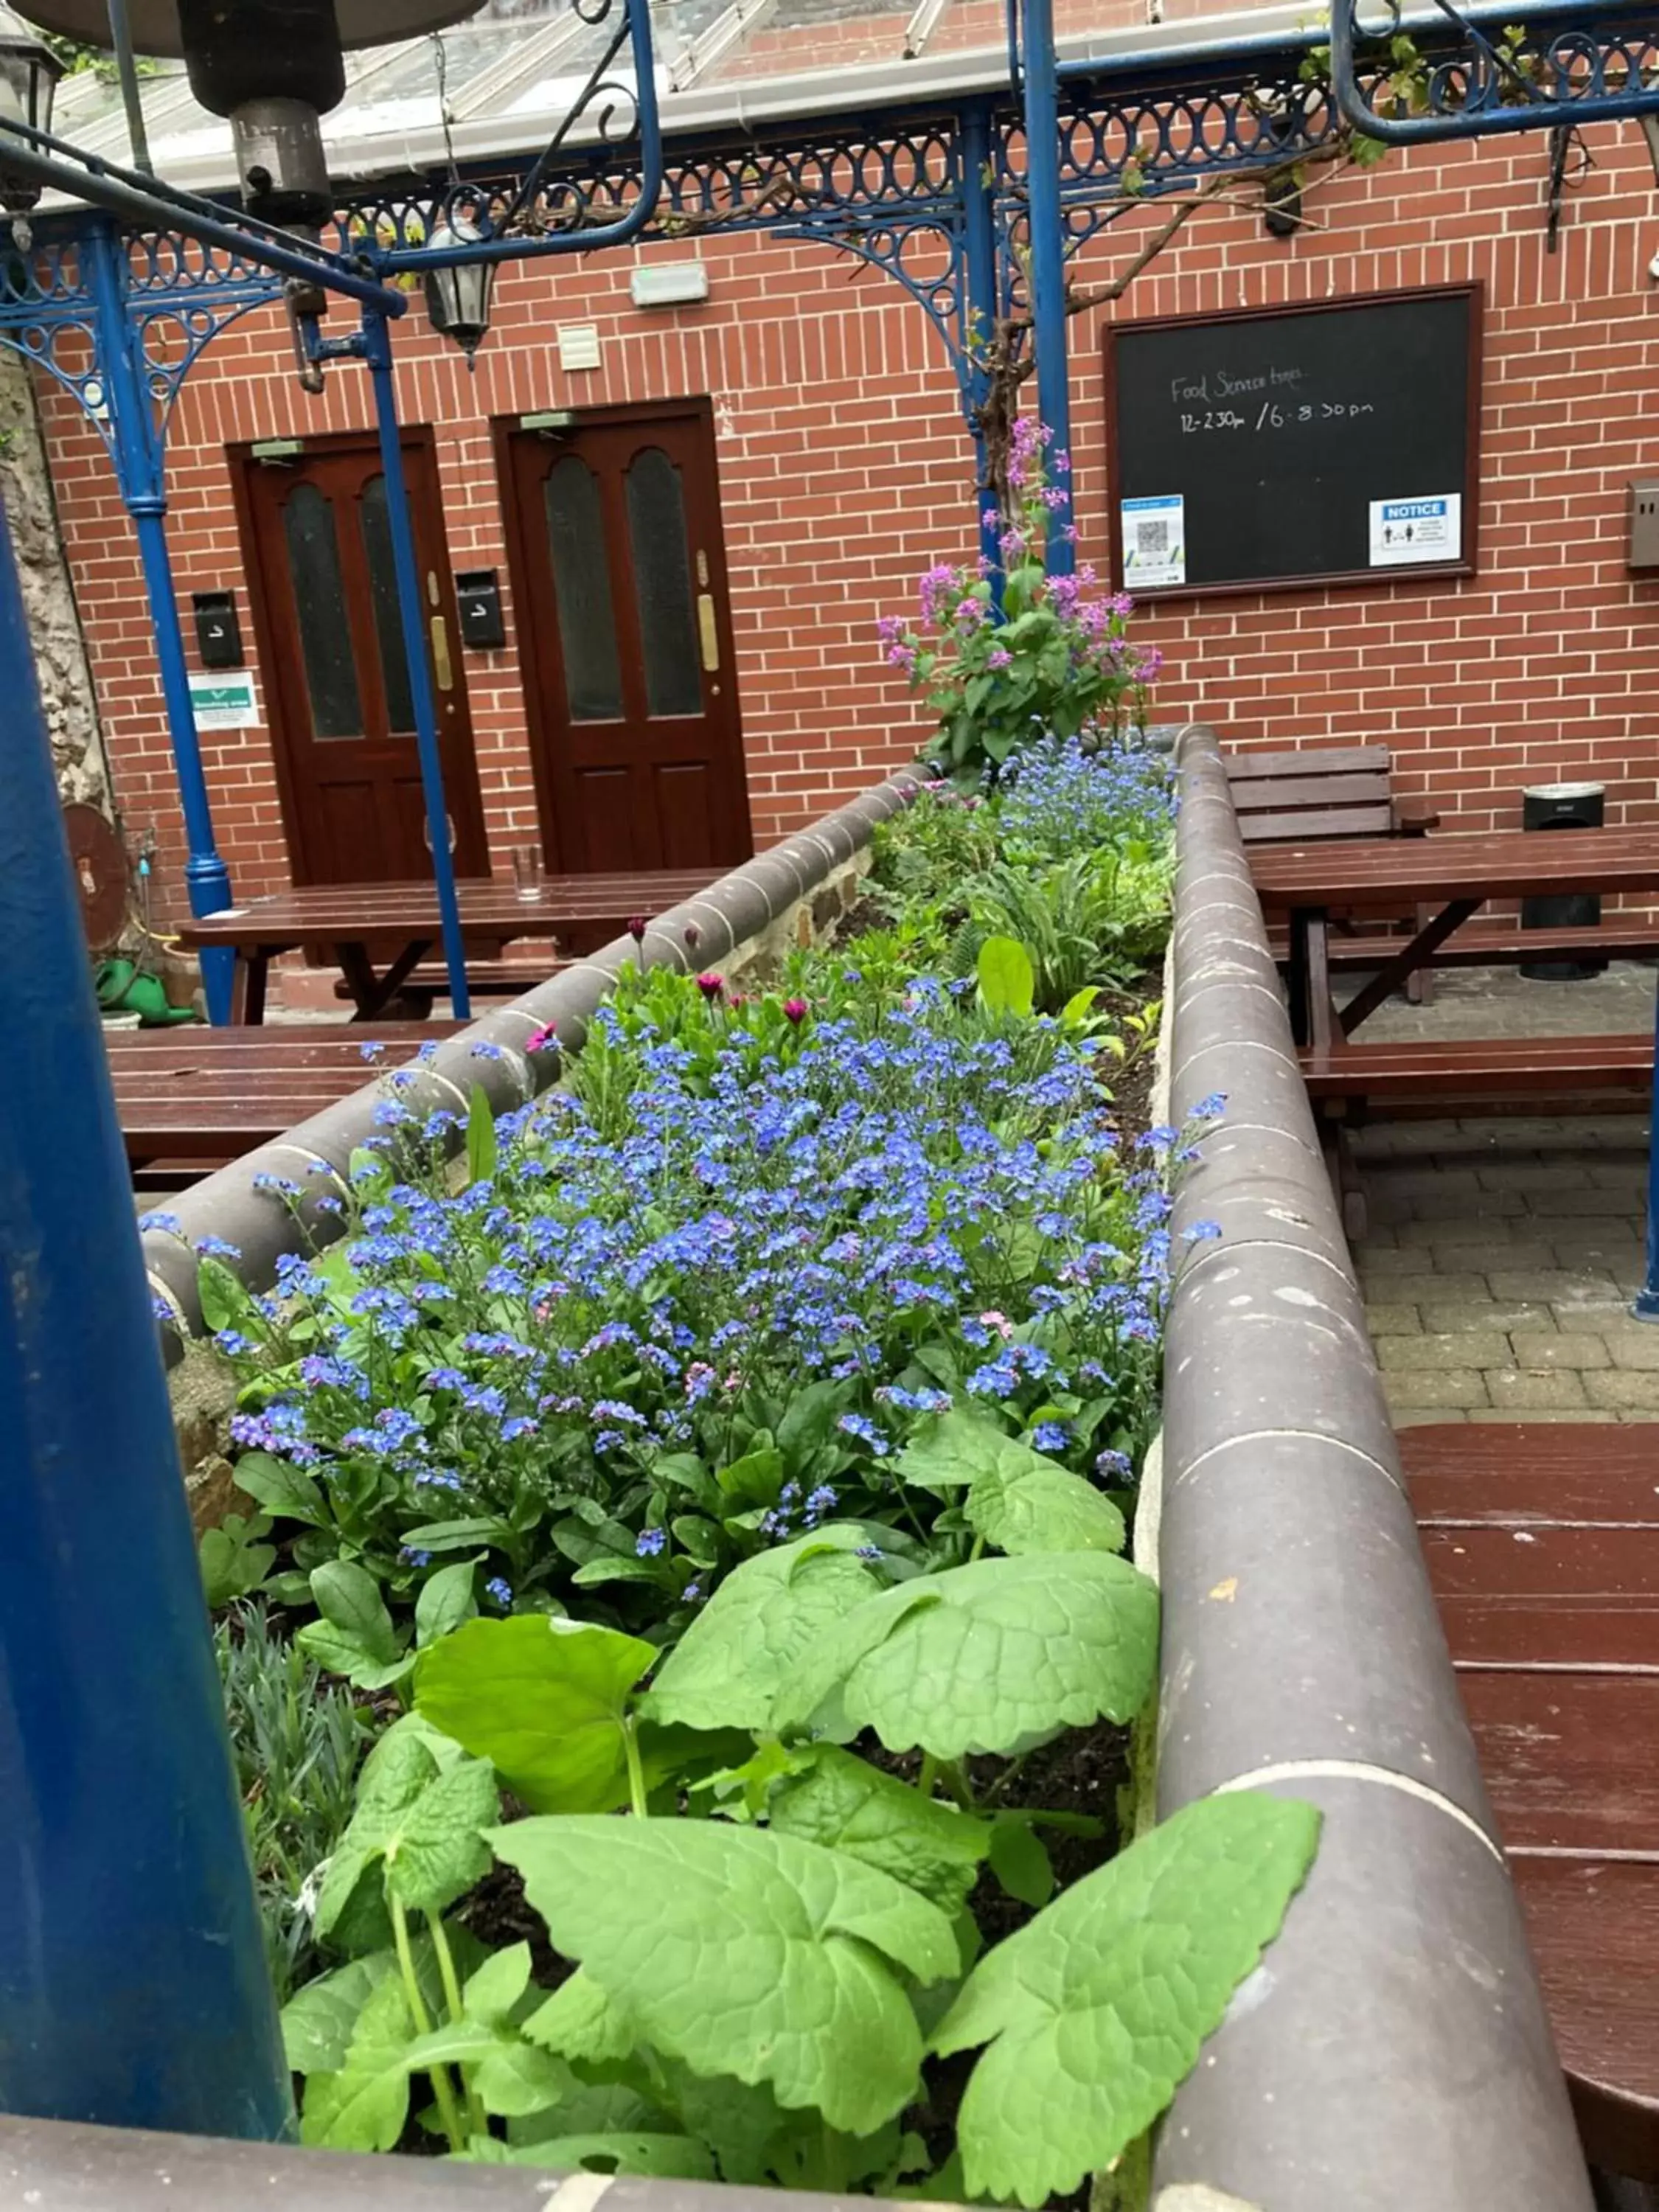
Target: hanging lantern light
{"points": [[458, 295], [29, 71]]}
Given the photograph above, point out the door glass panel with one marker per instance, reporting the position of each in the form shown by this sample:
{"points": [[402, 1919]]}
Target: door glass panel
{"points": [[313, 562], [383, 594], [582, 589], [662, 572]]}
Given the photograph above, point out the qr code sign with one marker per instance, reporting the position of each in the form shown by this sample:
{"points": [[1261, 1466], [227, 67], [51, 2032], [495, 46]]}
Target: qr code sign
{"points": [[1150, 537]]}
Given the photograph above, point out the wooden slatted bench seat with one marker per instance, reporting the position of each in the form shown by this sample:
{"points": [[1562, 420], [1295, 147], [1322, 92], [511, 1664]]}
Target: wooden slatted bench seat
{"points": [[1317, 791], [206, 1095], [1321, 791], [1501, 944], [1477, 1067], [485, 979], [1542, 1544]]}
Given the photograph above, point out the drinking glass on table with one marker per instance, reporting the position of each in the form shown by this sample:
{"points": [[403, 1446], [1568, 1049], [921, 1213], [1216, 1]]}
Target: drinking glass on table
{"points": [[527, 872]]}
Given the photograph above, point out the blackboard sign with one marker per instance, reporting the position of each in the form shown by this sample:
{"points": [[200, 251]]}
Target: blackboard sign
{"points": [[1332, 442]]}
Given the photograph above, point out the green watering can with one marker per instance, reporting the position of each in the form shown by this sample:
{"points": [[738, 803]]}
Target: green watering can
{"points": [[124, 988]]}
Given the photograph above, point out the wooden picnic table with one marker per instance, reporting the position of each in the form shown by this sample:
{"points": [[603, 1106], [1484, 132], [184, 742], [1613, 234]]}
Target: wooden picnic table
{"points": [[205, 1095], [397, 925], [1448, 876], [1542, 1543]]}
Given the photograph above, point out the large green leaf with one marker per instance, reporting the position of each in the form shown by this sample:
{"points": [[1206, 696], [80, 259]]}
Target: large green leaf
{"points": [[668, 2157], [417, 1822], [744, 1951], [1006, 980], [481, 1146], [364, 2107], [1018, 1499], [280, 1487], [436, 1851], [582, 2020], [544, 1699], [445, 1600], [995, 1657], [1096, 2011], [843, 1803], [724, 1671], [1039, 1507], [355, 1635], [317, 2020]]}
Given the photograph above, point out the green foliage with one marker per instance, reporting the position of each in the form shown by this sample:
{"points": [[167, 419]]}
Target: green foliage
{"points": [[296, 1740], [1042, 659], [1097, 2010]]}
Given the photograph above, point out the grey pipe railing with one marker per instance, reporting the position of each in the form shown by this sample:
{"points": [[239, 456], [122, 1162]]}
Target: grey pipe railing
{"points": [[741, 905], [1392, 2053], [58, 2166]]}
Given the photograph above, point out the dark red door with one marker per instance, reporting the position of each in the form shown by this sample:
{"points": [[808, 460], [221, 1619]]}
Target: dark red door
{"points": [[319, 556], [625, 639]]}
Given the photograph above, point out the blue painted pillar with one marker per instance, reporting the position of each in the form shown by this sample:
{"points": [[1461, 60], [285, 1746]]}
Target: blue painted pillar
{"points": [[377, 352], [139, 469], [980, 282], [133, 1985], [1047, 259], [1647, 1298]]}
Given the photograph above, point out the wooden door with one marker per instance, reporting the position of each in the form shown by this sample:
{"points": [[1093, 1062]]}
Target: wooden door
{"points": [[317, 545], [624, 631]]}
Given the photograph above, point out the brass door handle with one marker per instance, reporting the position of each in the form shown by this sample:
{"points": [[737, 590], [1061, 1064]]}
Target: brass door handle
{"points": [[441, 667], [708, 630]]}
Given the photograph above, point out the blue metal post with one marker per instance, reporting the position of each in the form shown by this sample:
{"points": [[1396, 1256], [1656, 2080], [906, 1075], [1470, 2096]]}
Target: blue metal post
{"points": [[140, 470], [1047, 273], [377, 352], [1647, 1298], [133, 1984], [980, 284]]}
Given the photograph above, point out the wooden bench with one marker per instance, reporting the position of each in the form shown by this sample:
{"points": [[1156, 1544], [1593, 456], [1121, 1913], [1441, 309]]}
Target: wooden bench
{"points": [[1316, 791], [1477, 1067], [1502, 944], [1321, 791], [1344, 1079], [203, 1095], [485, 979], [1542, 1544]]}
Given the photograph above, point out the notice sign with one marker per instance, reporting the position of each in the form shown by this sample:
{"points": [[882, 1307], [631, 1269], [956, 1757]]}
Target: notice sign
{"points": [[1407, 530], [224, 699], [1154, 540]]}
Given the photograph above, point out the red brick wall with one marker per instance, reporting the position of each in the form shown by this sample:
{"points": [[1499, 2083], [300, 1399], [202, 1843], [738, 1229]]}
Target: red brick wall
{"points": [[845, 469]]}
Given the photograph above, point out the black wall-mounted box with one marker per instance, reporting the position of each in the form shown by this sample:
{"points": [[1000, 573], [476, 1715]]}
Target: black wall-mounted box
{"points": [[478, 594], [218, 633]]}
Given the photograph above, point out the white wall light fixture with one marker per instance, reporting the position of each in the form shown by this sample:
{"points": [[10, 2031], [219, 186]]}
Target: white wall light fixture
{"points": [[669, 284]]}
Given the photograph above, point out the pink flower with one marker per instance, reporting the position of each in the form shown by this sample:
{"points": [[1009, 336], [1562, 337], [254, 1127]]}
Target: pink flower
{"points": [[998, 657], [794, 1010], [636, 929], [1062, 465], [1000, 1322], [541, 1039], [711, 986]]}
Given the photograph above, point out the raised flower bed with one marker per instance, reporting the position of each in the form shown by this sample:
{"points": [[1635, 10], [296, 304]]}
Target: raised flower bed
{"points": [[740, 1439]]}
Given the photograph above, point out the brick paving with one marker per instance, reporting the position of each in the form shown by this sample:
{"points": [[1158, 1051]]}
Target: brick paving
{"points": [[1502, 1250]]}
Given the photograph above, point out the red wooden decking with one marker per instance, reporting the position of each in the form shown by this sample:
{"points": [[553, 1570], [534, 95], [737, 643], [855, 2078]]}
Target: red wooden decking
{"points": [[1543, 1542]]}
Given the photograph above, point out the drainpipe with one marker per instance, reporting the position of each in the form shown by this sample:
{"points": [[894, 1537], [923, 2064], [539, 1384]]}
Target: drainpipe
{"points": [[133, 1984], [136, 450], [980, 279]]}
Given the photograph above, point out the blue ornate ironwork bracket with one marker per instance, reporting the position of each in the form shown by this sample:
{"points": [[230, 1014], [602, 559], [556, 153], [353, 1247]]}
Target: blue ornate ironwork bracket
{"points": [[1471, 76]]}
